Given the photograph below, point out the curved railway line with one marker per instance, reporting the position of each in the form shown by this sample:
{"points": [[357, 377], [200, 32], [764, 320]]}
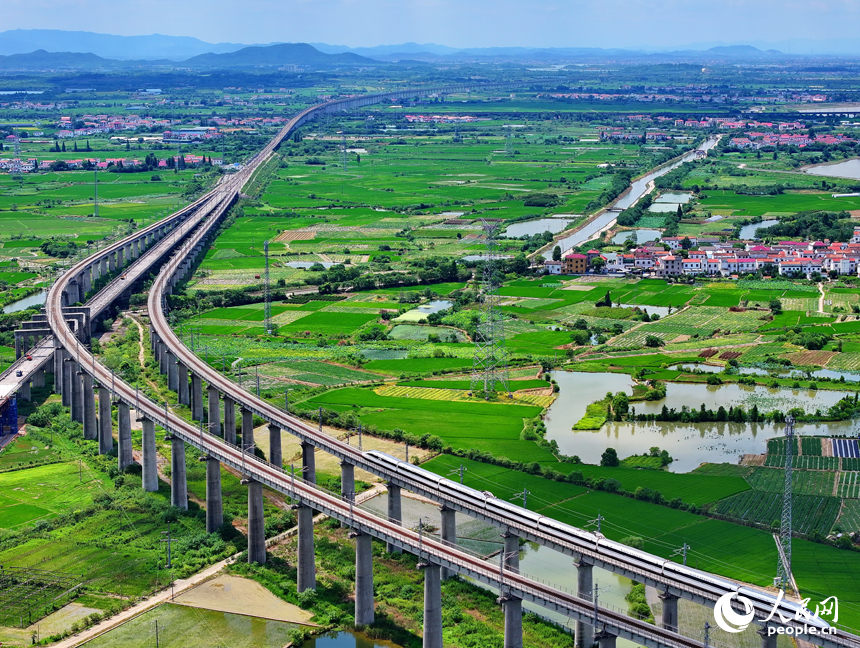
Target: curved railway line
{"points": [[182, 236]]}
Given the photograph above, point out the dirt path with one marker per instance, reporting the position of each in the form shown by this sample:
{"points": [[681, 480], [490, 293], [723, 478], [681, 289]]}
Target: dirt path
{"points": [[821, 298]]}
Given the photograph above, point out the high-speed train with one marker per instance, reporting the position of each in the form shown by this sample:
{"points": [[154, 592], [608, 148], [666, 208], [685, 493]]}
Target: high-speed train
{"points": [[588, 543]]}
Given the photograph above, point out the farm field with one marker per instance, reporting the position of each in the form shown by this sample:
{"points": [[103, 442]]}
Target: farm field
{"points": [[485, 426], [187, 627]]}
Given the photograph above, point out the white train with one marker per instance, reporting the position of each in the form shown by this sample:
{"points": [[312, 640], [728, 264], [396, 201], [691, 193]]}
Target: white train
{"points": [[578, 540]]}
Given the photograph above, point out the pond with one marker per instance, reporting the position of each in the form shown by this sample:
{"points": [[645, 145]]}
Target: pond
{"points": [[674, 198], [642, 235], [345, 639], [33, 301], [748, 232], [662, 311], [714, 219], [690, 444], [421, 312], [483, 257], [539, 226], [663, 208], [308, 264], [847, 169]]}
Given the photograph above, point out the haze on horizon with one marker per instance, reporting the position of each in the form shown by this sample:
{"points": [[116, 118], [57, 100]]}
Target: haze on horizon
{"points": [[629, 24]]}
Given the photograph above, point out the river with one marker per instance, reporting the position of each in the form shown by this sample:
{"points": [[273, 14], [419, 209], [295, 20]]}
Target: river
{"points": [[690, 444], [638, 188]]}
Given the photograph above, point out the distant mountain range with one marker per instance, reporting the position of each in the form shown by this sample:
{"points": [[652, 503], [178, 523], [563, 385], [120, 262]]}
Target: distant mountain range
{"points": [[270, 56], [39, 49]]}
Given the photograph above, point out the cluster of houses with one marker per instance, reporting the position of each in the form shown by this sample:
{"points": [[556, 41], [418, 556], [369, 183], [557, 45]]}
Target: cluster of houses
{"points": [[442, 119], [31, 165], [711, 257], [757, 140], [699, 95]]}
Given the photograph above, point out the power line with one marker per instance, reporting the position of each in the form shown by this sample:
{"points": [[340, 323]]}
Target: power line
{"points": [[490, 362]]}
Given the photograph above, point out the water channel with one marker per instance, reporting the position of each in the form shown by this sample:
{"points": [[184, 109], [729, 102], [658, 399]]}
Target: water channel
{"points": [[345, 639], [642, 235], [638, 188], [690, 444]]}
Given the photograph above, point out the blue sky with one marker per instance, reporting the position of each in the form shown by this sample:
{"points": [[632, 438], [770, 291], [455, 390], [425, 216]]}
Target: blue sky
{"points": [[458, 23]]}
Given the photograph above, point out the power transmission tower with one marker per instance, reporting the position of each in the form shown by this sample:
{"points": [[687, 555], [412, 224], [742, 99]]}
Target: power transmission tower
{"points": [[490, 363], [96, 204], [784, 567], [509, 143], [268, 316], [344, 154], [16, 161]]}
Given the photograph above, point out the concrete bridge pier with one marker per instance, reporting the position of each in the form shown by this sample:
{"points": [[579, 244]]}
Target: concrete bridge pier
{"points": [[58, 367], [604, 639], [172, 375], [68, 372], [309, 463], [512, 552], [77, 392], [24, 391], [150, 457], [364, 610], [307, 569], [257, 527], [178, 483], [103, 267], [513, 608], [91, 430], [214, 501], [124, 434], [183, 392], [120, 257], [229, 420], [86, 280], [395, 513], [214, 401], [247, 430], [449, 534], [432, 605], [196, 398], [584, 586], [161, 356], [275, 456], [105, 423], [669, 620], [39, 378], [767, 641], [112, 262]]}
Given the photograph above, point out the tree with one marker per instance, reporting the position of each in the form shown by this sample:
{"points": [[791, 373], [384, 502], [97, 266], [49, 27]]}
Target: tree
{"points": [[609, 458], [620, 405], [686, 243], [556, 253], [653, 342], [775, 306], [598, 263]]}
